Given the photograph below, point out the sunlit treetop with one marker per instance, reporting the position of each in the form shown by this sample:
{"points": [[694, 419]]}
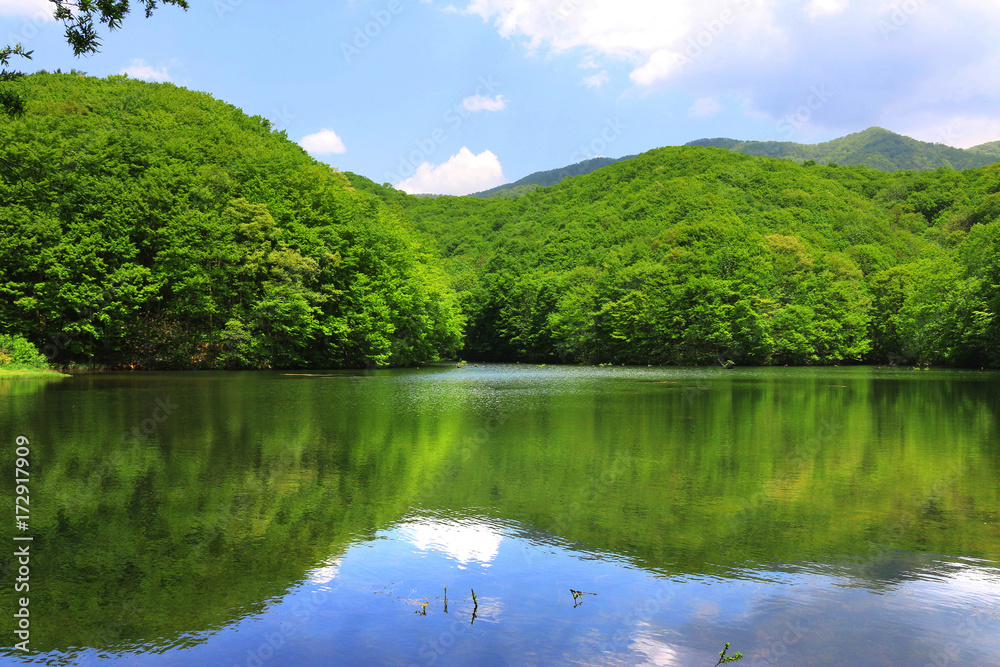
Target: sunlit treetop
{"points": [[80, 18]]}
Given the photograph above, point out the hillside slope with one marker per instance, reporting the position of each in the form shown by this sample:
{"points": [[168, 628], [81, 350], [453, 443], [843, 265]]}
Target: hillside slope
{"points": [[148, 226], [875, 147], [542, 179], [695, 255]]}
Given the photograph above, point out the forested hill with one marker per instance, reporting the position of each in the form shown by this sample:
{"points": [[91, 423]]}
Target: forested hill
{"points": [[144, 225], [875, 147], [541, 179], [695, 255]]}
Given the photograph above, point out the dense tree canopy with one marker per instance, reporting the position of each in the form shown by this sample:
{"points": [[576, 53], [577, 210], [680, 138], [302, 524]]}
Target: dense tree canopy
{"points": [[149, 226], [875, 147], [693, 255]]}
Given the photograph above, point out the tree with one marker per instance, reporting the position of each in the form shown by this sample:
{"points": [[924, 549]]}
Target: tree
{"points": [[78, 16], [10, 102]]}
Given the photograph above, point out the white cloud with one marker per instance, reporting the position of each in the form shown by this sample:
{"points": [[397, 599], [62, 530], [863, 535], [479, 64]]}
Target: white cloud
{"points": [[661, 65], [620, 28], [959, 131], [597, 80], [704, 107], [463, 542], [140, 70], [40, 10], [818, 8], [773, 54], [462, 174], [480, 103], [323, 142]]}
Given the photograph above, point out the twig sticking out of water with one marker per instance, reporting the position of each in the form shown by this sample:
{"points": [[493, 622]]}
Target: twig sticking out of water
{"points": [[475, 608], [723, 658], [446, 599]]}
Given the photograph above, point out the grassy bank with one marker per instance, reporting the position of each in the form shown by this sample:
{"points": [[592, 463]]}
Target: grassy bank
{"points": [[29, 373]]}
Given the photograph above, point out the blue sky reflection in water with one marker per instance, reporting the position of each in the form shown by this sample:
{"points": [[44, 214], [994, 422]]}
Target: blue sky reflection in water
{"points": [[807, 516], [363, 609]]}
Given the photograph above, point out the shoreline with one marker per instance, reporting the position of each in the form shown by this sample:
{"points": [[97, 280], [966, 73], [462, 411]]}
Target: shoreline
{"points": [[34, 374]]}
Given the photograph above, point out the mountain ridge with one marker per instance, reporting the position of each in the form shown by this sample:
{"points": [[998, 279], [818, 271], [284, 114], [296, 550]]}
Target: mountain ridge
{"points": [[875, 147], [541, 179]]}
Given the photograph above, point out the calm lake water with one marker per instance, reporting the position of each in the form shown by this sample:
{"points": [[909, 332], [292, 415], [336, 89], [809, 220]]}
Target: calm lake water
{"points": [[844, 516]]}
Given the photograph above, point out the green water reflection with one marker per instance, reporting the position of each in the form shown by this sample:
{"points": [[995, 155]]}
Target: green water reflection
{"points": [[170, 504]]}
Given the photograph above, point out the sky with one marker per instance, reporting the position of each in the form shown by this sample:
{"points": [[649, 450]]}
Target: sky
{"points": [[457, 96]]}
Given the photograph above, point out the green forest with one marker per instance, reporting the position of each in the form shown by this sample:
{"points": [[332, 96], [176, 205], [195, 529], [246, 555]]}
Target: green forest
{"points": [[875, 147], [691, 255], [147, 226]]}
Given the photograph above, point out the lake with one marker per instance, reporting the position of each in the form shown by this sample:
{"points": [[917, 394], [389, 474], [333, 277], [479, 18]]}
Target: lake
{"points": [[601, 516]]}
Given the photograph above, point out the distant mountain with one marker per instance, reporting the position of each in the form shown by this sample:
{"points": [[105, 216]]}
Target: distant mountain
{"points": [[541, 179], [875, 147], [992, 148]]}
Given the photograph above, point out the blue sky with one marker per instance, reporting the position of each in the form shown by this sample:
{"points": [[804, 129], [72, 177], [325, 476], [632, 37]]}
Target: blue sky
{"points": [[455, 96]]}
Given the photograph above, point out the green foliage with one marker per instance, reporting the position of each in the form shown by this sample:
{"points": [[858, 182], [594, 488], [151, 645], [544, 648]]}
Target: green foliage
{"points": [[79, 17], [542, 179], [875, 148], [691, 256], [670, 257], [147, 226], [17, 353], [726, 659], [11, 103]]}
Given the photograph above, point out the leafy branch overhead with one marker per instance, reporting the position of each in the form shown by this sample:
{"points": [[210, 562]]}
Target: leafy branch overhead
{"points": [[79, 18]]}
